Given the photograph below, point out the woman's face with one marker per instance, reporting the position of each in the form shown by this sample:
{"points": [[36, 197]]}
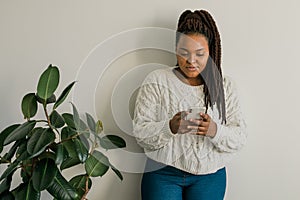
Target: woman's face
{"points": [[192, 52]]}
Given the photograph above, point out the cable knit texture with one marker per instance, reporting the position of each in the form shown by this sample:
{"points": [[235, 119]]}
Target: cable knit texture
{"points": [[160, 97]]}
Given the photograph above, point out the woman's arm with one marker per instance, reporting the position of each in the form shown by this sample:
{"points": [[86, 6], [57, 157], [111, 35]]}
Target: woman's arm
{"points": [[151, 122], [231, 137]]}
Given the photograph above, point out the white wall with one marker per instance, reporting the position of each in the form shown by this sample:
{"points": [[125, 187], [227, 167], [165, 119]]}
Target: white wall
{"points": [[260, 50]]}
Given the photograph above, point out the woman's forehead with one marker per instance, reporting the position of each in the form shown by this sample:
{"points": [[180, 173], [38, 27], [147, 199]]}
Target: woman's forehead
{"points": [[192, 41]]}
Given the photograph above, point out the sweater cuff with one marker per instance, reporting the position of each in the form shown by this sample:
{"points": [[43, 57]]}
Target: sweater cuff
{"points": [[219, 134], [166, 130]]}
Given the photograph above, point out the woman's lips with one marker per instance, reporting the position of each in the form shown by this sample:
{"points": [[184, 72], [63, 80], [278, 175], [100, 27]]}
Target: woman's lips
{"points": [[191, 68]]}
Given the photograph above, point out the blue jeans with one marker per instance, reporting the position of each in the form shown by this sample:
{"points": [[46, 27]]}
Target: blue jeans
{"points": [[169, 183]]}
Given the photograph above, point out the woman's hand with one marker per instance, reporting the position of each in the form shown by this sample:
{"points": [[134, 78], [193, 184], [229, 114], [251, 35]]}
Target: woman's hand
{"points": [[178, 124], [204, 126]]}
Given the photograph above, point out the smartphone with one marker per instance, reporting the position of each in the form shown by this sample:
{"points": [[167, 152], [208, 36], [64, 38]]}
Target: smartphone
{"points": [[194, 113]]}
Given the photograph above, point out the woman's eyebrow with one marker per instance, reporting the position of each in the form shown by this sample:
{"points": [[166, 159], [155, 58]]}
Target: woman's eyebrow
{"points": [[182, 48]]}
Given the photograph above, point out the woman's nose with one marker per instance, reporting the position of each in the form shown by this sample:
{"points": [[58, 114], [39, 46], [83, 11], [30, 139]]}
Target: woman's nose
{"points": [[191, 59]]}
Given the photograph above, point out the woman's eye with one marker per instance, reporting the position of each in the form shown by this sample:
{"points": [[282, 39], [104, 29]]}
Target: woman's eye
{"points": [[183, 54], [200, 55]]}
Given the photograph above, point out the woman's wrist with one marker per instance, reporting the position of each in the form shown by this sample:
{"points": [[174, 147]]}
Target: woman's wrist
{"points": [[212, 129], [171, 127]]}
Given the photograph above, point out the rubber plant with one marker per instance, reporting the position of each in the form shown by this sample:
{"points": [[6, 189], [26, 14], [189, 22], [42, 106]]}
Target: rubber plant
{"points": [[40, 149]]}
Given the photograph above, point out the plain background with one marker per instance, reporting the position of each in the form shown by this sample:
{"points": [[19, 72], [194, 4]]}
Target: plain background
{"points": [[260, 51]]}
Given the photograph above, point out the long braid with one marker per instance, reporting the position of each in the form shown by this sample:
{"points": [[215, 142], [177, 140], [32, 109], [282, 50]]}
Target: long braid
{"points": [[201, 22]]}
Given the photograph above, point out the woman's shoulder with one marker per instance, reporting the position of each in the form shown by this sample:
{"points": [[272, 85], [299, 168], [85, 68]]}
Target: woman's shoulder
{"points": [[227, 79], [230, 86], [159, 74], [161, 71]]}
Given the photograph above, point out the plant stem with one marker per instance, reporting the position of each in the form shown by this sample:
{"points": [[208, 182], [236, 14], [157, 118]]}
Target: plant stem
{"points": [[86, 188], [47, 116], [69, 138], [95, 145], [3, 160]]}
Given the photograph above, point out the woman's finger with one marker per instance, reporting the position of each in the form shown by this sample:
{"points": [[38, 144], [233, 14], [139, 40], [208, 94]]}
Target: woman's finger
{"points": [[205, 117]]}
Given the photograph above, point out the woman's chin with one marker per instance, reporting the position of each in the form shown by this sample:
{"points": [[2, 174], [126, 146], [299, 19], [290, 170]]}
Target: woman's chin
{"points": [[192, 74]]}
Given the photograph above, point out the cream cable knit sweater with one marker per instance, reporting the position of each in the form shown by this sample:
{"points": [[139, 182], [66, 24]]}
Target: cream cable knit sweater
{"points": [[161, 96]]}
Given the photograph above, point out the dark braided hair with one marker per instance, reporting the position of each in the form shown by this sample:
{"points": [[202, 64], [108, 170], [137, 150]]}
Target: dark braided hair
{"points": [[201, 22]]}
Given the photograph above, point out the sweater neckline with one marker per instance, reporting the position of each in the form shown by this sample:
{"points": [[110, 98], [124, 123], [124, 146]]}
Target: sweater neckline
{"points": [[175, 77]]}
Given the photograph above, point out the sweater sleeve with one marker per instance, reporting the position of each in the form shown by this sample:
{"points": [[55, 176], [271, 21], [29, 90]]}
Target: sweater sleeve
{"points": [[231, 137], [151, 124]]}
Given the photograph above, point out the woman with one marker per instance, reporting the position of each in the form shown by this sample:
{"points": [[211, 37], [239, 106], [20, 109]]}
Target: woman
{"points": [[191, 153]]}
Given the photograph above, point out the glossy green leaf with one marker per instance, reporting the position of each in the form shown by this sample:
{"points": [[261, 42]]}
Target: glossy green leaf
{"points": [[69, 120], [69, 162], [67, 133], [5, 133], [43, 174], [22, 153], [26, 171], [117, 172], [5, 184], [39, 141], [10, 170], [63, 95], [29, 105], [99, 127], [82, 151], [62, 189], [56, 119], [70, 147], [36, 130], [22, 148], [47, 155], [20, 132], [97, 164], [91, 122], [67, 137], [76, 117], [25, 191], [48, 82], [77, 148], [59, 153], [79, 183], [112, 142], [79, 124], [12, 150], [51, 99], [84, 141]]}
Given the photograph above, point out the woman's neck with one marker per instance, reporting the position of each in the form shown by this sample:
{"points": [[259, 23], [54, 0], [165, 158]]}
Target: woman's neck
{"points": [[193, 81]]}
